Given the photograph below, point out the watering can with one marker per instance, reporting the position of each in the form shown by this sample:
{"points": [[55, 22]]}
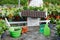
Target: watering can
{"points": [[46, 30]]}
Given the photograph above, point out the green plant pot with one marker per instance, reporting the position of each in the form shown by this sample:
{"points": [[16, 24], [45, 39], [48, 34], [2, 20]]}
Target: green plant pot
{"points": [[15, 33]]}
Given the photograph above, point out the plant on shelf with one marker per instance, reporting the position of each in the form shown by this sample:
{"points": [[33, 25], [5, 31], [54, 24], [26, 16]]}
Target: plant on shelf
{"points": [[17, 14], [10, 13], [53, 9], [36, 8], [52, 20], [25, 8], [41, 8], [31, 8], [52, 23]]}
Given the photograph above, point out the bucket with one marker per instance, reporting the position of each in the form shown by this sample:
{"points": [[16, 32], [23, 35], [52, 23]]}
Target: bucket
{"points": [[15, 31]]}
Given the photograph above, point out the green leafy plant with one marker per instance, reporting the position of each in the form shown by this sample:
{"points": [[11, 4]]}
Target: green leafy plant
{"points": [[31, 8], [52, 20], [58, 21], [58, 27], [58, 30], [25, 7], [24, 2], [52, 1], [3, 26]]}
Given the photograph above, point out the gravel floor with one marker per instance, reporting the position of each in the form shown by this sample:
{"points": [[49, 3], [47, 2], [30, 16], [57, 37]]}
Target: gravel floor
{"points": [[32, 34]]}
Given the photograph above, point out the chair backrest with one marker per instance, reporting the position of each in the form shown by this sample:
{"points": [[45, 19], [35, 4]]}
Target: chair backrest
{"points": [[30, 13]]}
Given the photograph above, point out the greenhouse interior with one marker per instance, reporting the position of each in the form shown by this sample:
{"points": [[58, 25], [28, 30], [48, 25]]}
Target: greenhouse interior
{"points": [[29, 19]]}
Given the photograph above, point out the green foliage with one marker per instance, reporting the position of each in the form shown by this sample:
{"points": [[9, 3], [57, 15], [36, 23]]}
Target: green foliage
{"points": [[31, 8], [52, 20], [9, 2], [53, 1], [37, 8], [58, 30], [3, 26], [24, 2], [58, 21], [25, 8]]}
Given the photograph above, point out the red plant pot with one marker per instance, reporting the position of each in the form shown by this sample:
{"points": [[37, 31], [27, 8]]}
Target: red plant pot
{"points": [[57, 17], [24, 29]]}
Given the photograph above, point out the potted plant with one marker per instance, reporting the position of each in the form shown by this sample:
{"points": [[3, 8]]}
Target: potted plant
{"points": [[58, 32], [10, 17], [3, 28], [9, 13], [52, 23], [16, 14], [58, 29]]}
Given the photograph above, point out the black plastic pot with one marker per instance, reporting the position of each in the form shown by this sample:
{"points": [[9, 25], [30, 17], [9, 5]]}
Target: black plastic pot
{"points": [[3, 35], [52, 25], [58, 38], [16, 18]]}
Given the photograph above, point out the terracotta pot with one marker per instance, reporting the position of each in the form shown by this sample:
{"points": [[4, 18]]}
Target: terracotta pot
{"points": [[24, 29], [48, 17], [57, 17]]}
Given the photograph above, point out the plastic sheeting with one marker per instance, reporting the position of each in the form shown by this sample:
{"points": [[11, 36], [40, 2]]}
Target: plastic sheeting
{"points": [[36, 3]]}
